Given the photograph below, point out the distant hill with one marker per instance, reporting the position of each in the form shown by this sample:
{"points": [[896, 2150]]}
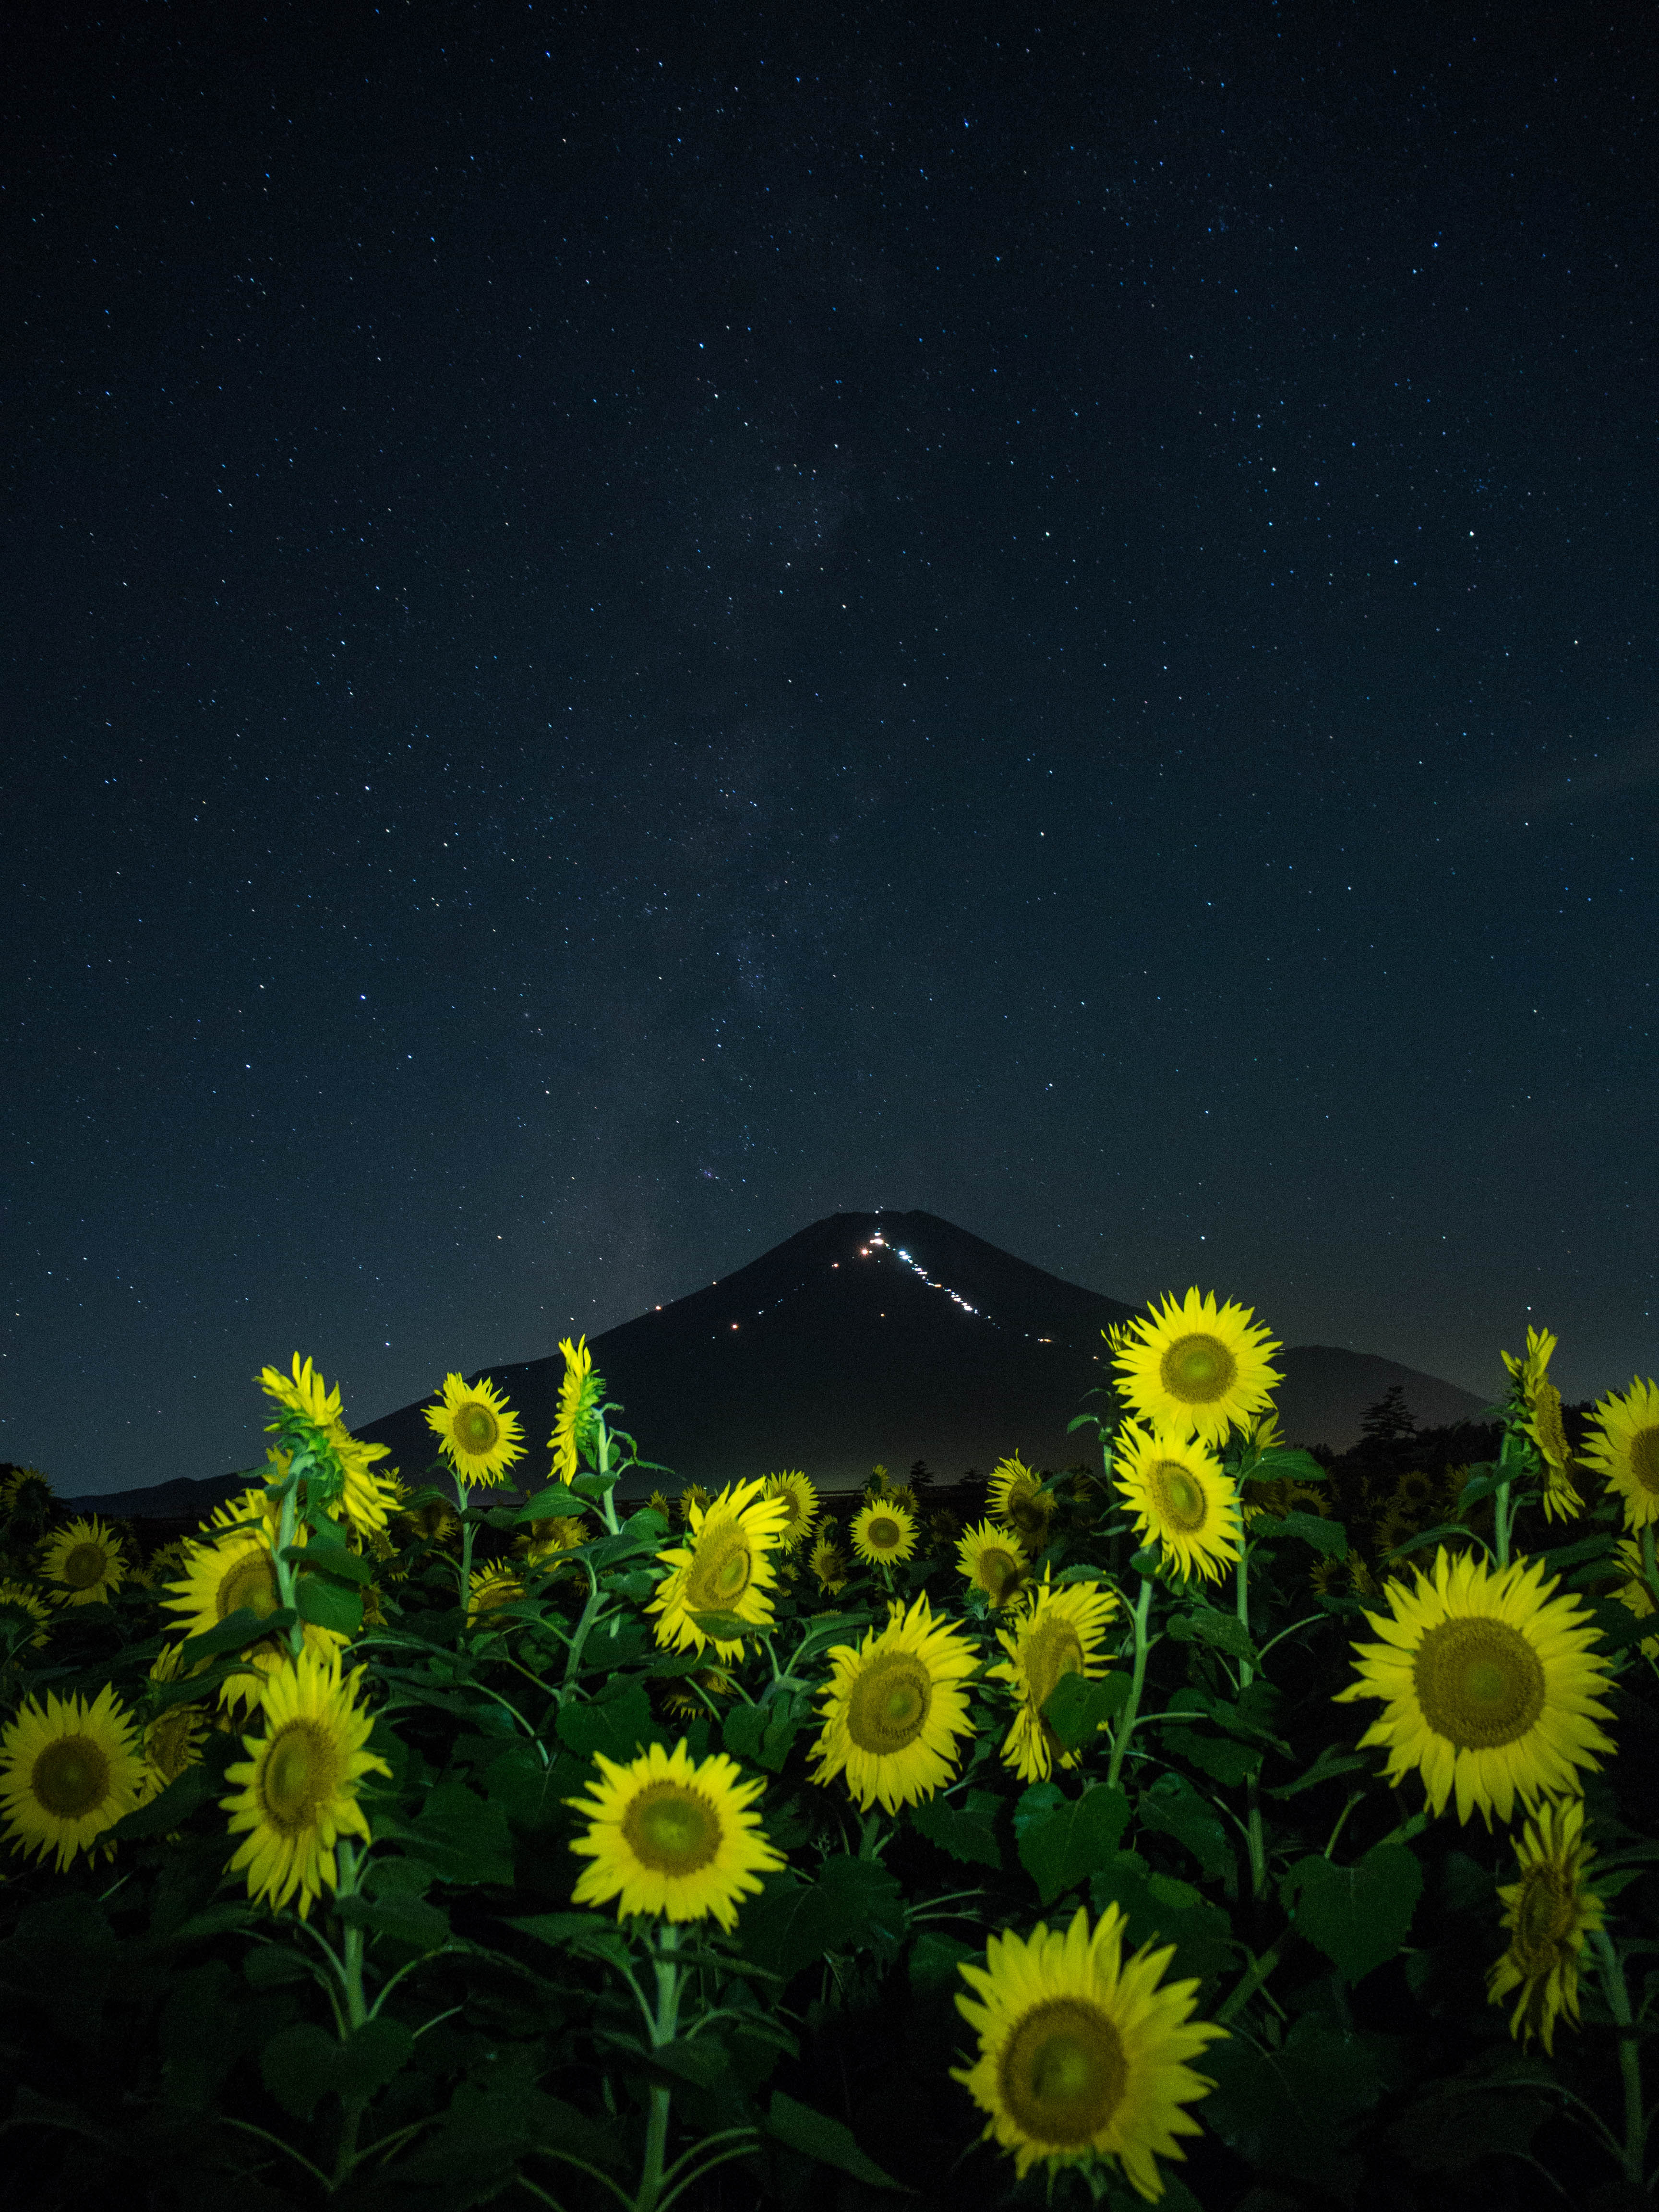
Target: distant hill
{"points": [[867, 1338]]}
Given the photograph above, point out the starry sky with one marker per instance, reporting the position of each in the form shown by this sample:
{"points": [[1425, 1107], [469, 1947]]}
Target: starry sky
{"points": [[625, 628]]}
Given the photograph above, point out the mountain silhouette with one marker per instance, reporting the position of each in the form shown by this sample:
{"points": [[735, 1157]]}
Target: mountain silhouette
{"points": [[866, 1339]]}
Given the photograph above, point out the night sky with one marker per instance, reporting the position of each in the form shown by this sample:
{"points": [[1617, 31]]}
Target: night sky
{"points": [[626, 628]]}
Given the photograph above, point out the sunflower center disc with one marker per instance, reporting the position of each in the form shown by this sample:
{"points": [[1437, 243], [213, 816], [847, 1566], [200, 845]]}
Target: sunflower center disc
{"points": [[299, 1777], [1055, 1649], [70, 1778], [1182, 1501], [252, 1584], [1544, 1916], [888, 1709], [998, 1575], [1479, 1681], [85, 1566], [1198, 1370], [1644, 1458], [476, 1430], [719, 1573], [883, 1535], [670, 1829], [1063, 2072], [167, 1744]]}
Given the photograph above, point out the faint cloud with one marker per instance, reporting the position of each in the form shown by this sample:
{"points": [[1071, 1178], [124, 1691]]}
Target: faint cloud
{"points": [[1598, 775]]}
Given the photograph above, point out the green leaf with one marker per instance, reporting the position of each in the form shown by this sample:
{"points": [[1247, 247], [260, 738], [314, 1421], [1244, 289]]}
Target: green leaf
{"points": [[825, 1629], [1035, 1804], [964, 1832], [618, 1726], [298, 2066], [197, 1786], [557, 1502], [1618, 1626], [827, 2142], [1287, 2112], [1455, 2125], [1208, 1624], [1482, 1482], [1077, 1709], [1360, 1915], [726, 1627], [459, 1836], [592, 1933], [323, 1604], [1569, 1555], [1157, 1908], [244, 1627], [372, 2054], [1325, 1535], [406, 1918], [327, 1559], [1332, 1760], [1436, 1535], [763, 1733], [272, 1966], [1075, 1839], [1175, 1807], [853, 1904], [1222, 1757], [1286, 1464]]}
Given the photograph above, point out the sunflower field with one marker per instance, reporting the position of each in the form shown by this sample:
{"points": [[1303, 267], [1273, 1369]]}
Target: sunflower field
{"points": [[1153, 1839]]}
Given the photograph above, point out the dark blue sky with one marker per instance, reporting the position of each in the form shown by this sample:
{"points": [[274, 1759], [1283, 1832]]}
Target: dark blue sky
{"points": [[622, 631]]}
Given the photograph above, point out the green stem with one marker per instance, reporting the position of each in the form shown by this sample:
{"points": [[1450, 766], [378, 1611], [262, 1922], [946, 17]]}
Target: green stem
{"points": [[1504, 1516], [602, 1454], [287, 1576], [352, 2107], [1260, 1970], [1246, 1676], [663, 2028], [590, 1614], [1630, 2058], [462, 1493], [1648, 1569], [1127, 1718]]}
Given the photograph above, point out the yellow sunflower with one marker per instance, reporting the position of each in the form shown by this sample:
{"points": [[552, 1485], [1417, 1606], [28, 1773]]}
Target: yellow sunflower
{"points": [[67, 1772], [1635, 1592], [1549, 1913], [31, 1602], [1195, 1369], [476, 1431], [724, 1567], [829, 1561], [1491, 1684], [86, 1560], [1081, 2054], [492, 1588], [435, 1519], [580, 1394], [893, 1709], [1262, 1501], [1057, 1631], [25, 1490], [1016, 1497], [1325, 1576], [801, 1501], [994, 1561], [239, 1570], [694, 1497], [1413, 1495], [672, 1836], [1179, 1493], [544, 1551], [368, 1499], [884, 1534], [172, 1741], [300, 1782], [688, 1699], [1529, 1372], [1624, 1446]]}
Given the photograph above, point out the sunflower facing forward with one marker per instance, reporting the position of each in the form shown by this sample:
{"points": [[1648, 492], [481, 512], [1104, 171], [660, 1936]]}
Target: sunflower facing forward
{"points": [[994, 1561], [893, 1709], [1081, 2054], [668, 1836], [1057, 1633], [1182, 1498], [1015, 1496], [86, 1561], [1490, 1682], [476, 1431], [1549, 1913], [883, 1533], [800, 1502], [829, 1561], [725, 1567], [1195, 1369], [238, 1573], [300, 1783], [67, 1772], [1624, 1446]]}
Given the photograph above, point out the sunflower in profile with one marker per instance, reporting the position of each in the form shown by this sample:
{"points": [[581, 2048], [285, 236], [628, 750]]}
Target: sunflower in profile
{"points": [[893, 1709], [1550, 1911], [299, 1793], [476, 1431], [1081, 2054], [252, 1508], [1634, 1592], [367, 1497], [172, 1741], [725, 1567], [1196, 1369], [1180, 1495], [1263, 1501], [1016, 1497], [235, 1573], [1057, 1633], [1489, 1683], [492, 1588], [993, 1559], [1623, 1446], [1538, 1404], [829, 1561], [30, 1601], [668, 1835], [86, 1561], [694, 1499], [884, 1534], [801, 1502], [67, 1772], [581, 1393], [1325, 1576]]}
